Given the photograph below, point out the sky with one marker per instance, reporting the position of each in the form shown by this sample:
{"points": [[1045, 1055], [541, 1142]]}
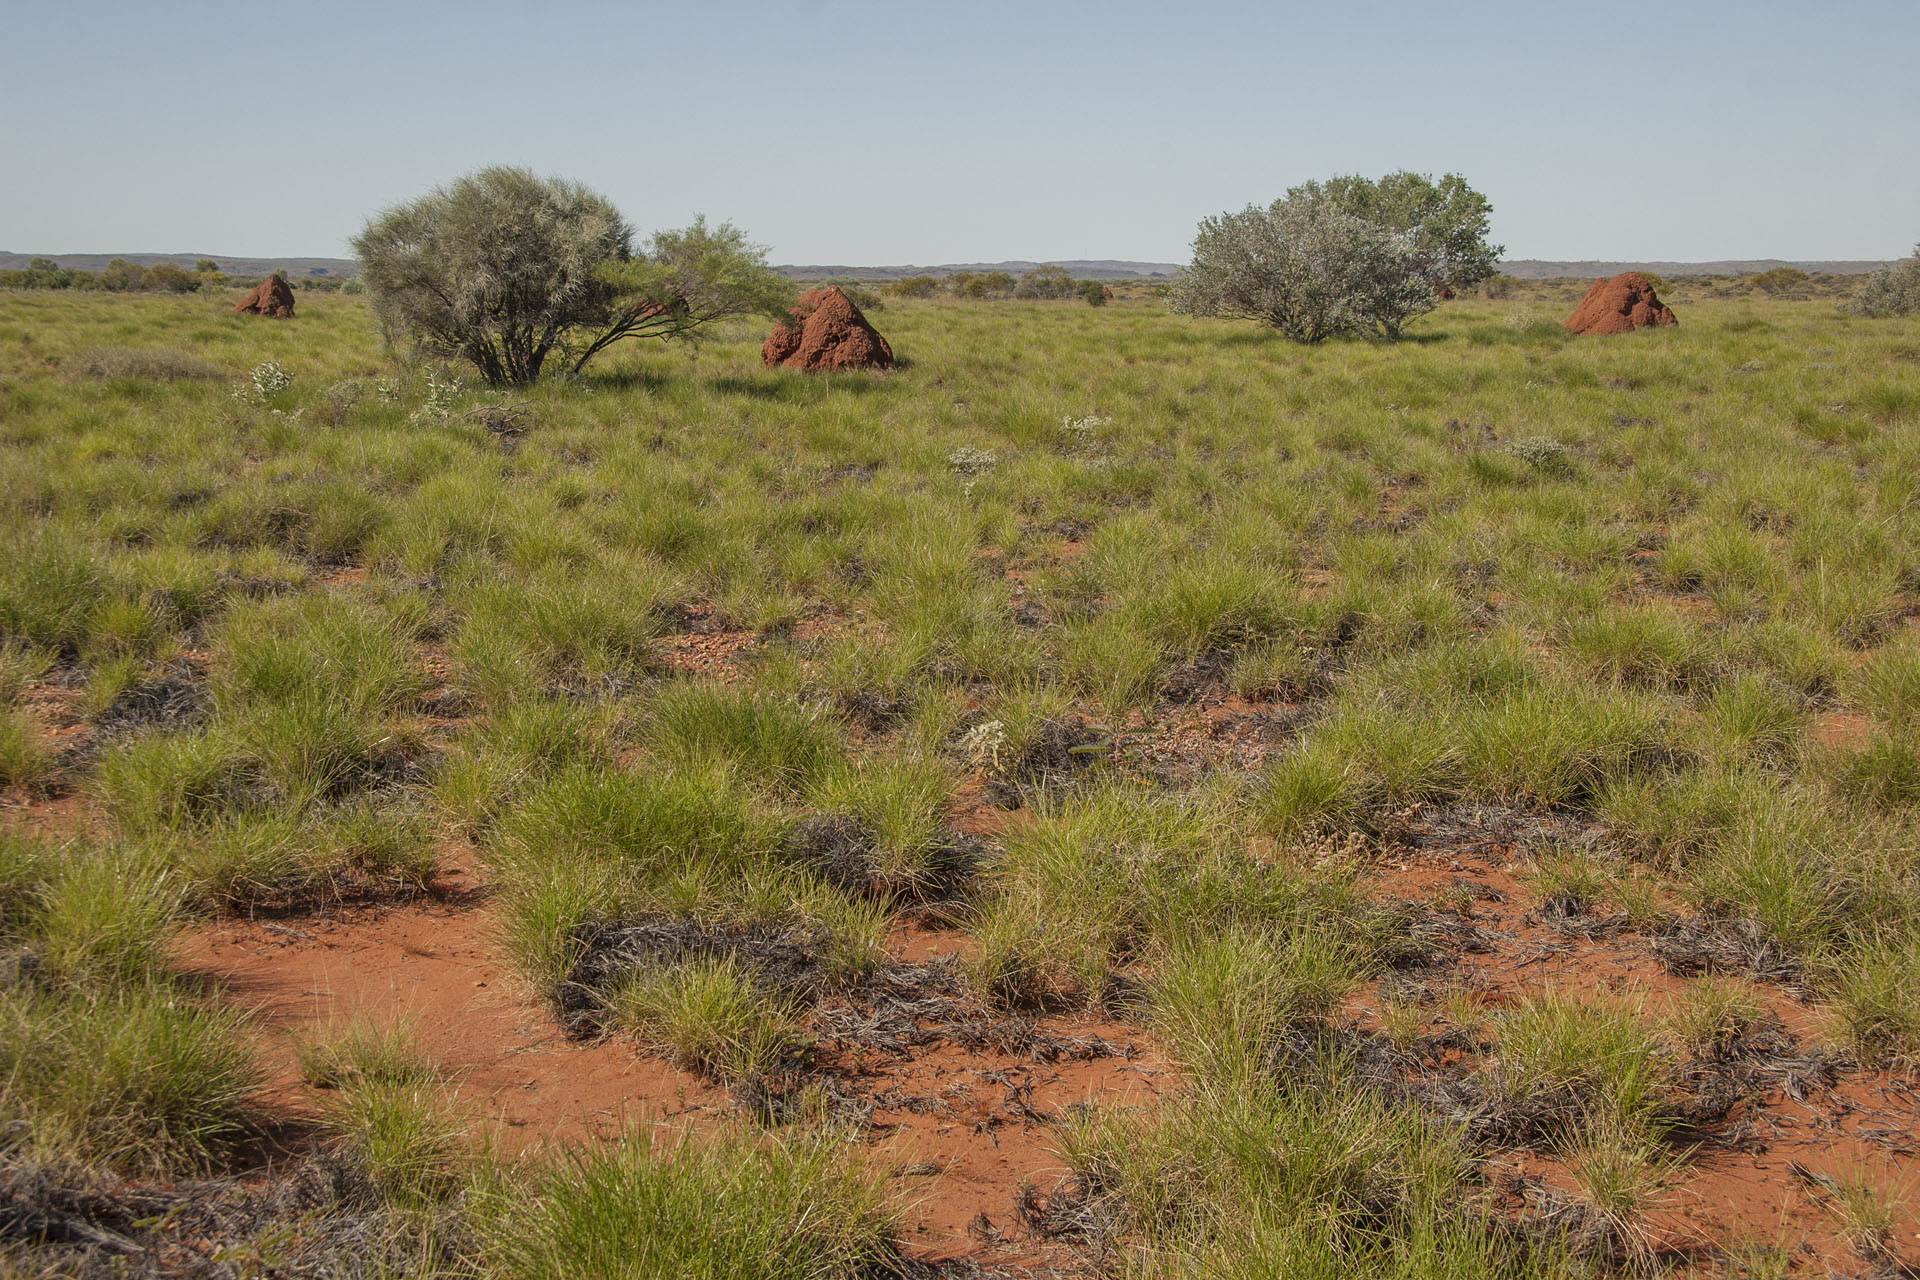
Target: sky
{"points": [[874, 134]]}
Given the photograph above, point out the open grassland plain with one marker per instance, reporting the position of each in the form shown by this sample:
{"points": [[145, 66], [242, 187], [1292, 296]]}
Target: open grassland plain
{"points": [[1115, 796]]}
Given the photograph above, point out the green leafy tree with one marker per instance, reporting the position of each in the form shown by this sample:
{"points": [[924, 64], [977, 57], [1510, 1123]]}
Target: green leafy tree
{"points": [[121, 276], [508, 270], [1094, 293], [171, 277]]}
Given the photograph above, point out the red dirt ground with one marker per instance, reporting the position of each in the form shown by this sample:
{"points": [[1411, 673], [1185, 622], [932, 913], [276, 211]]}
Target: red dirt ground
{"points": [[438, 966], [437, 963], [1867, 1126]]}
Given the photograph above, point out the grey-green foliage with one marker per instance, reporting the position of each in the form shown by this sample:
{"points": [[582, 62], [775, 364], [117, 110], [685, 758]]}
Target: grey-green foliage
{"points": [[1307, 266], [1894, 290], [1446, 221], [507, 269]]}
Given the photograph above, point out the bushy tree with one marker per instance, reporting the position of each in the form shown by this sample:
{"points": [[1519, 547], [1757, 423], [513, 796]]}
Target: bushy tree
{"points": [[1093, 293], [170, 277], [1307, 267], [1445, 222], [1046, 281], [921, 286], [121, 276], [980, 284], [45, 273], [1779, 280], [507, 270], [1894, 290], [1348, 256]]}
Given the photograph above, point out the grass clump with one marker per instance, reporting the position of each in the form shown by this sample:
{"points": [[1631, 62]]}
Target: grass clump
{"points": [[103, 1058], [165, 364], [732, 1208], [1320, 1178], [23, 761], [133, 1077], [708, 1015], [1874, 1004], [363, 1050], [1574, 1064], [1106, 879], [766, 738]]}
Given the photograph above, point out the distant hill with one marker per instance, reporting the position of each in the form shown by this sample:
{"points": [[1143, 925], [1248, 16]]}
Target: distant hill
{"points": [[1540, 269], [1082, 268], [294, 267], [1096, 269]]}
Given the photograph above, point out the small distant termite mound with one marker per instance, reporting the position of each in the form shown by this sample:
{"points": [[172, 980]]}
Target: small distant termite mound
{"points": [[824, 330], [271, 297], [1620, 305]]}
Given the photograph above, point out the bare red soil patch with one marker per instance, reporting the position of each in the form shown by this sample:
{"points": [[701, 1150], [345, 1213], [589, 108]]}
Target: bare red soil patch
{"points": [[437, 968], [1842, 729], [959, 1129], [1760, 1176]]}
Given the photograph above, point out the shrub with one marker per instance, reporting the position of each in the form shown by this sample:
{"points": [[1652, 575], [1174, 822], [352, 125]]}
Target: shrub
{"points": [[1445, 222], [1093, 293], [1894, 290]]}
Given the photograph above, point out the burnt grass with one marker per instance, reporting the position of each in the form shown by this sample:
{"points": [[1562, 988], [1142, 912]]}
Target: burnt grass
{"points": [[316, 1219], [176, 697], [70, 1222], [845, 852], [1436, 1074], [1061, 752], [888, 1013]]}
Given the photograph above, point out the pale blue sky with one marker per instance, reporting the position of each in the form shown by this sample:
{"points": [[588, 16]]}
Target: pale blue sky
{"points": [[865, 133]]}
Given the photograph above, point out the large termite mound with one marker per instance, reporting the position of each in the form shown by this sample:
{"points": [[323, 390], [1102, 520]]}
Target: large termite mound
{"points": [[1617, 305], [271, 297], [824, 330]]}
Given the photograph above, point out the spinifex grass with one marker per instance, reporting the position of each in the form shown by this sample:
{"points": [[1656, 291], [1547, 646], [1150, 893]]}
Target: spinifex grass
{"points": [[1654, 586]]}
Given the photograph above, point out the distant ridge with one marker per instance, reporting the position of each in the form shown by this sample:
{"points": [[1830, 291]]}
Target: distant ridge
{"points": [[1082, 268], [1542, 269], [294, 267]]}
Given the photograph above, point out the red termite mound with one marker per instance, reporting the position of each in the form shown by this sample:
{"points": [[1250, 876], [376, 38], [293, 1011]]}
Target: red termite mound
{"points": [[271, 297], [824, 330], [1625, 302]]}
